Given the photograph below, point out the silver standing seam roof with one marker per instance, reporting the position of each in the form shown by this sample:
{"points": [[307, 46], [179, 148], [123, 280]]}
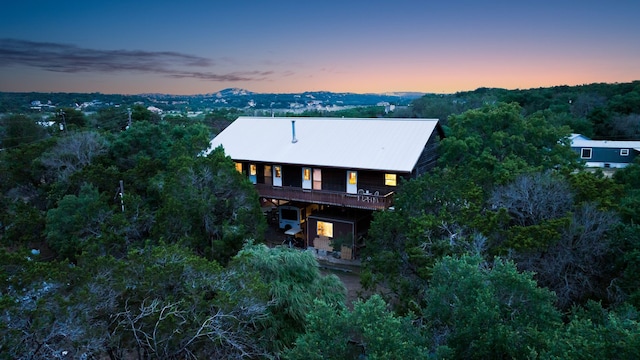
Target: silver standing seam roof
{"points": [[393, 144], [581, 141]]}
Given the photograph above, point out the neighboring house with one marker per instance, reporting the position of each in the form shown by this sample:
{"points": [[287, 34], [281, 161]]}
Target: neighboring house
{"points": [[604, 153], [337, 163]]}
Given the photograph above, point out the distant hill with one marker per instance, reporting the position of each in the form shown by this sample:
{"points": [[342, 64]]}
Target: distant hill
{"points": [[226, 98], [241, 98]]}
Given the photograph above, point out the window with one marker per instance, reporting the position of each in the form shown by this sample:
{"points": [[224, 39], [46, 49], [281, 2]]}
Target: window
{"points": [[307, 174], [325, 229], [585, 153], [317, 179], [624, 152], [278, 171], [268, 180], [390, 179], [252, 170], [289, 214], [353, 177], [239, 167]]}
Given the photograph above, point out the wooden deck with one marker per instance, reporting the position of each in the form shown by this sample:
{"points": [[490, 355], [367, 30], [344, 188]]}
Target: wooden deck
{"points": [[362, 200]]}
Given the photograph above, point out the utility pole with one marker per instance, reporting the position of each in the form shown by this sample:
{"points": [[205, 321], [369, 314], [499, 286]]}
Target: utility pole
{"points": [[129, 122], [122, 194], [63, 126]]}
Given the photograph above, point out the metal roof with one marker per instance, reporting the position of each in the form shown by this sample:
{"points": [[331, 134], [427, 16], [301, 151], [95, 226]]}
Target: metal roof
{"points": [[581, 141], [393, 144]]}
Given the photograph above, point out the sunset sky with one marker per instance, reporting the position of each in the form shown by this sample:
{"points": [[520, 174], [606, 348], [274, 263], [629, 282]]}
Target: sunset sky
{"points": [[284, 46]]}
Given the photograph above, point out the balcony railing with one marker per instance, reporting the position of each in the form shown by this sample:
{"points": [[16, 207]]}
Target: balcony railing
{"points": [[362, 200]]}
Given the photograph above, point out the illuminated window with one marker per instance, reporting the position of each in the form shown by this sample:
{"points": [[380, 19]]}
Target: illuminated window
{"points": [[585, 153], [307, 174], [390, 179], [278, 170], [624, 152], [239, 167], [353, 177], [325, 229], [252, 169]]}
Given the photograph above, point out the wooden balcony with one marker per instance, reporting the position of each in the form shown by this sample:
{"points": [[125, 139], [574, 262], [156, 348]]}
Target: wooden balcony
{"points": [[362, 200]]}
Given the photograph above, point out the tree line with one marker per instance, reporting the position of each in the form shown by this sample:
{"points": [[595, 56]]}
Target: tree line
{"points": [[120, 240]]}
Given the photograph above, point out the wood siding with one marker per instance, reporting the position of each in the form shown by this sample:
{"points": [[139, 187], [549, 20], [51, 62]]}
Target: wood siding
{"points": [[429, 156], [372, 192]]}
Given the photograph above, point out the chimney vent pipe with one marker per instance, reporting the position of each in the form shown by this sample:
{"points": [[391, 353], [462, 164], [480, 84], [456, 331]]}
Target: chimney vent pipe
{"points": [[293, 132]]}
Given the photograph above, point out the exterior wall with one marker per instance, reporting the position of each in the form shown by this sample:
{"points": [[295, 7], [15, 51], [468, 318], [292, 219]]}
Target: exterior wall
{"points": [[606, 157], [334, 179], [348, 227], [341, 228], [373, 181], [429, 156], [292, 176], [371, 192]]}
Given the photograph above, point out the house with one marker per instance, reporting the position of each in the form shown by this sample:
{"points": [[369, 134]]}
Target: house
{"points": [[604, 153], [354, 165]]}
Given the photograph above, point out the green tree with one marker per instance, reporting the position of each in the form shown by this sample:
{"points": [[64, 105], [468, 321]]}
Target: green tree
{"points": [[157, 302], [71, 118], [40, 316], [476, 310], [494, 144], [145, 141], [370, 331], [209, 206], [537, 208], [563, 242], [294, 282], [176, 305], [140, 113], [596, 333], [437, 214], [21, 224], [629, 205], [19, 168], [218, 119], [623, 259], [601, 120], [595, 187], [626, 104], [19, 129], [75, 221], [111, 119], [574, 267]]}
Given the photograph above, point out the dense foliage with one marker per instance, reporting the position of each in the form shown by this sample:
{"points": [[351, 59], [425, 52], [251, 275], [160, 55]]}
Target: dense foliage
{"points": [[119, 240]]}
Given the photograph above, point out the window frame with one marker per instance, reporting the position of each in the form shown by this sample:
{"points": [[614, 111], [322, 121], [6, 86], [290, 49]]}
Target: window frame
{"points": [[352, 177], [391, 179], [582, 153], [324, 228]]}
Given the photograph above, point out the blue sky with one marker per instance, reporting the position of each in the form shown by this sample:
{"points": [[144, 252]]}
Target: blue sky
{"points": [[192, 47]]}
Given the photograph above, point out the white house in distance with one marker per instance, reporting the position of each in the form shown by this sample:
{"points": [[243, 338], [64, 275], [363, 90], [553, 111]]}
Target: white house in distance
{"points": [[336, 170], [604, 153]]}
